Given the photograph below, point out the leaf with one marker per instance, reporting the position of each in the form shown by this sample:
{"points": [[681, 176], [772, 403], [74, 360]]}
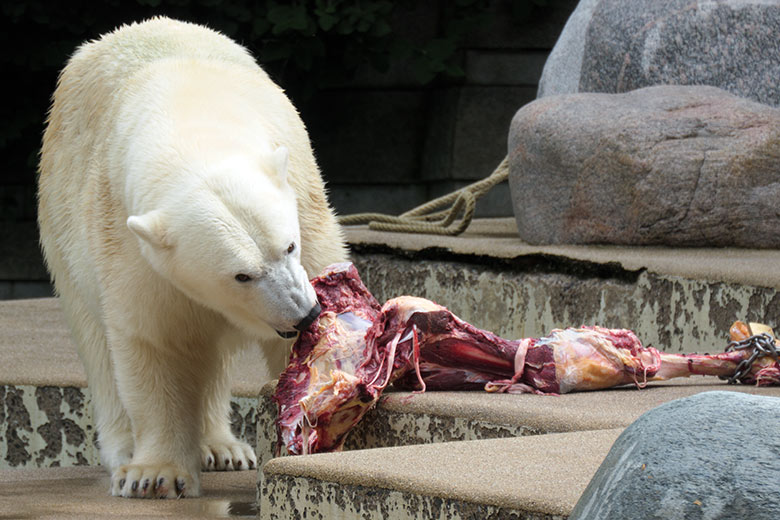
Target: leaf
{"points": [[454, 70], [363, 25], [345, 27], [260, 26], [439, 49], [275, 51], [381, 28], [384, 8], [303, 58], [421, 71], [327, 21], [287, 17]]}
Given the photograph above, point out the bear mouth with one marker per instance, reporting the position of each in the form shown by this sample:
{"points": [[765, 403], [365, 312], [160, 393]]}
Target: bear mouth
{"points": [[289, 334]]}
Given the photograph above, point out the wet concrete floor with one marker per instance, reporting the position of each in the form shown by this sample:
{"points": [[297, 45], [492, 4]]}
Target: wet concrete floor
{"points": [[82, 492]]}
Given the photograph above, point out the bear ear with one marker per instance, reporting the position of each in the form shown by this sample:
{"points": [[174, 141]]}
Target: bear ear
{"points": [[149, 227], [280, 158]]}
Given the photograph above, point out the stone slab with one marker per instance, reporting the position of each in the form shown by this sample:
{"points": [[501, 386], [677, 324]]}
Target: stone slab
{"points": [[529, 296], [45, 407], [498, 238], [496, 67], [54, 493], [402, 418], [48, 426], [530, 477], [391, 199], [378, 139], [37, 350]]}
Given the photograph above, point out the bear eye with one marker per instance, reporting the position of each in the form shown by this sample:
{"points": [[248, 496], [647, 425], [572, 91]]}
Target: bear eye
{"points": [[291, 248], [241, 277]]}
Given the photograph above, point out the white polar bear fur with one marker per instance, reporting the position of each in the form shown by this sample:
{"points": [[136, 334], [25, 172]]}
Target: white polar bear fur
{"points": [[170, 164]]}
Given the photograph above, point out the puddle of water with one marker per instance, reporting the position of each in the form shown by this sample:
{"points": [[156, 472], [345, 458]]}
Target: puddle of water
{"points": [[242, 509], [223, 508]]}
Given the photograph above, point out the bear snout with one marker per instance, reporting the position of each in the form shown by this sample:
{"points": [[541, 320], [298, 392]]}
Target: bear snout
{"points": [[309, 319]]}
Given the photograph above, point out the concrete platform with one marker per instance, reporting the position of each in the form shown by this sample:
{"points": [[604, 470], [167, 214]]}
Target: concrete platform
{"points": [[45, 405], [82, 492], [37, 350], [498, 238], [402, 418], [526, 477], [675, 299], [514, 454]]}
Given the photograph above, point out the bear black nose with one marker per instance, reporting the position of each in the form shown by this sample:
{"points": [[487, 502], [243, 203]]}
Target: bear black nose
{"points": [[309, 319]]}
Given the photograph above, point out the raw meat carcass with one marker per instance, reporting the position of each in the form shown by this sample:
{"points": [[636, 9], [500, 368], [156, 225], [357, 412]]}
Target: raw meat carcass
{"points": [[355, 349]]}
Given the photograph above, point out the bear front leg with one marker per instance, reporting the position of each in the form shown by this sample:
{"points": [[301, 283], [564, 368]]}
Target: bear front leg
{"points": [[220, 449], [161, 388]]}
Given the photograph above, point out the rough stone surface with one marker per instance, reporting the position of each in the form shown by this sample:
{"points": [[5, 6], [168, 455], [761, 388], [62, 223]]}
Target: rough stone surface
{"points": [[368, 117], [395, 421], [621, 45], [81, 493], [404, 419], [467, 135], [561, 72], [284, 497], [529, 297], [52, 426], [712, 456], [494, 478], [671, 165]]}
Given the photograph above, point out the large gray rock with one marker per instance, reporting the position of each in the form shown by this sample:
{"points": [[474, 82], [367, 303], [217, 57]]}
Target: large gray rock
{"points": [[715, 455], [616, 46], [673, 165]]}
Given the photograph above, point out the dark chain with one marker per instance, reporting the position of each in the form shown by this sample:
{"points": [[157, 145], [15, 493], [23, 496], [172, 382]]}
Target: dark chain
{"points": [[762, 345]]}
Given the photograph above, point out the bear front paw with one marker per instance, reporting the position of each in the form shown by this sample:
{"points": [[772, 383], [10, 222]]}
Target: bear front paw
{"points": [[153, 481], [232, 455]]}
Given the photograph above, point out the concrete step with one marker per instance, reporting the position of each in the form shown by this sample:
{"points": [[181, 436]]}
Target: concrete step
{"points": [[675, 299], [462, 454], [45, 405], [539, 477], [403, 418], [55, 493]]}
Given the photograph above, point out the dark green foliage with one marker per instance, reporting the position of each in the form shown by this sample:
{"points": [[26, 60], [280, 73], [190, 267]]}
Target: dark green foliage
{"points": [[305, 45]]}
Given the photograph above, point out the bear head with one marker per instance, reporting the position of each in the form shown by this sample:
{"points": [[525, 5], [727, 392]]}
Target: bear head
{"points": [[231, 241]]}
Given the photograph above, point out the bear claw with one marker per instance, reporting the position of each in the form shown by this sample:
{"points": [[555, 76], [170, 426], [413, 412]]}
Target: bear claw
{"points": [[136, 481]]}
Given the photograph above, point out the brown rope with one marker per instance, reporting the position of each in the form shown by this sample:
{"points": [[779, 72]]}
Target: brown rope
{"points": [[453, 219]]}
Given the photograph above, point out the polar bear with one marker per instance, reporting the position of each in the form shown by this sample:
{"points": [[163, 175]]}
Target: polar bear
{"points": [[181, 214]]}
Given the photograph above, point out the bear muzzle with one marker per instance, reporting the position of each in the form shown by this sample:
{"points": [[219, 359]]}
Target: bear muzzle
{"points": [[304, 323], [309, 319]]}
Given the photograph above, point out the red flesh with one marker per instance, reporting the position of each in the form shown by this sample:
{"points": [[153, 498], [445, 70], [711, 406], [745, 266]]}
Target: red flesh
{"points": [[417, 344]]}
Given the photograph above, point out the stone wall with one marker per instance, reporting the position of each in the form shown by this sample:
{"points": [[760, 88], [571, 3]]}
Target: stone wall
{"points": [[387, 144], [529, 297], [52, 426]]}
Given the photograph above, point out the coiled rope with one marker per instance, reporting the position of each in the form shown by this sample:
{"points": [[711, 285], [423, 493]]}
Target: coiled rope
{"points": [[456, 216]]}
